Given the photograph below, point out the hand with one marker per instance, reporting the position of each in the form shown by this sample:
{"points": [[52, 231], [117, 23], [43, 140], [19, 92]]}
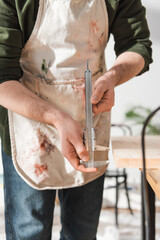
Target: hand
{"points": [[103, 94], [71, 137]]}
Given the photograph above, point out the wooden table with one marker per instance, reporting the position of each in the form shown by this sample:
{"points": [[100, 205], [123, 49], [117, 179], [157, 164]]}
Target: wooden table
{"points": [[127, 153]]}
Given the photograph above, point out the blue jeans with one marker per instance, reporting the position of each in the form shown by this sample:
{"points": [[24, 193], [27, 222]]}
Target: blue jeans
{"points": [[29, 212]]}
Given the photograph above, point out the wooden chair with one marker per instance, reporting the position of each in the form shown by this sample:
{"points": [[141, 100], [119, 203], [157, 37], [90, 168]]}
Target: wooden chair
{"points": [[147, 193]]}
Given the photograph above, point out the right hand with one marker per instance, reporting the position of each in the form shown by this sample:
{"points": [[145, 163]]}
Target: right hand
{"points": [[71, 137]]}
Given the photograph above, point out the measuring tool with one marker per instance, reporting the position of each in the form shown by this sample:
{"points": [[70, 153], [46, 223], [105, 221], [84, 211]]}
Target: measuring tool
{"points": [[89, 132]]}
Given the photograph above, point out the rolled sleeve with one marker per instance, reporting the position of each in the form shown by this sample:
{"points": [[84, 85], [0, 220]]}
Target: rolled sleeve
{"points": [[130, 30], [10, 42]]}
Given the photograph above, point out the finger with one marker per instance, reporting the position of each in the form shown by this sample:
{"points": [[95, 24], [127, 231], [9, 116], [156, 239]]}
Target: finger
{"points": [[101, 107], [82, 168], [97, 94], [74, 160], [69, 151], [81, 150], [105, 104]]}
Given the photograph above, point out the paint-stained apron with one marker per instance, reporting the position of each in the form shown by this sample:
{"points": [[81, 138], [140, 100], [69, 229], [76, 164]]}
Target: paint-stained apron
{"points": [[65, 35]]}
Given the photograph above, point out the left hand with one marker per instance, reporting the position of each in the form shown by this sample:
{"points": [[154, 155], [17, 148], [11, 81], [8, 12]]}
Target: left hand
{"points": [[103, 94]]}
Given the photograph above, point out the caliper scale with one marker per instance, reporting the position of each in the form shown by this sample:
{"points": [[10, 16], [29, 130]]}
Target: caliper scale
{"points": [[89, 131]]}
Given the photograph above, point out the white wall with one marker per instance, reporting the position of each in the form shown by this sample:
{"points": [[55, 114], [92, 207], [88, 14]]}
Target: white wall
{"points": [[145, 89]]}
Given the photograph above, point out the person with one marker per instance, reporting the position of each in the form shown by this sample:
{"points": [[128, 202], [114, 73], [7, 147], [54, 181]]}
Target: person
{"points": [[44, 46]]}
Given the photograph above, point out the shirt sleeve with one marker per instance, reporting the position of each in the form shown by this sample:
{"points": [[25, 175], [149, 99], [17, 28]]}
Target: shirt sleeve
{"points": [[10, 42], [130, 30]]}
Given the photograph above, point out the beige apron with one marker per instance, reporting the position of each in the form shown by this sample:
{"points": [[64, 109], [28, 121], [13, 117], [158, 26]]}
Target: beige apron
{"points": [[65, 35]]}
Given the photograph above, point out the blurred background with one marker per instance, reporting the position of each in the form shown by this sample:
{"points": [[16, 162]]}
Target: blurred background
{"points": [[144, 92]]}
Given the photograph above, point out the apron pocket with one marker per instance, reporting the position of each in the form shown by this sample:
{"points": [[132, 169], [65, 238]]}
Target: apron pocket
{"points": [[66, 96]]}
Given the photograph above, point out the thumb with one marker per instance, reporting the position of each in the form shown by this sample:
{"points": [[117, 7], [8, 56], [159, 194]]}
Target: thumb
{"points": [[81, 151], [97, 95]]}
